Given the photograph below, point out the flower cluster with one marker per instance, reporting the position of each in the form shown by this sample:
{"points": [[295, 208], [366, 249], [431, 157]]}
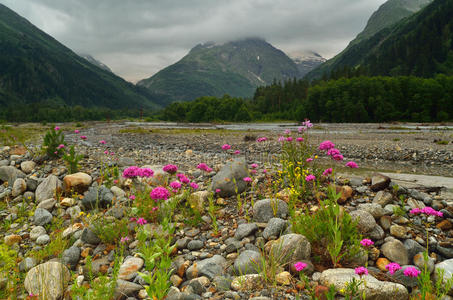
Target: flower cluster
{"points": [[427, 211], [261, 139], [247, 179], [204, 167], [361, 271], [134, 171], [366, 242], [327, 172], [175, 185], [159, 193], [326, 145], [226, 147], [352, 165], [254, 166], [183, 178], [310, 177], [299, 266], [194, 185], [411, 272], [170, 168], [299, 139], [141, 221], [393, 267]]}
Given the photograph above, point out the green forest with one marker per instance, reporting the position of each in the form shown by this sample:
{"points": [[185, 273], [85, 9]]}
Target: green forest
{"points": [[356, 99]]}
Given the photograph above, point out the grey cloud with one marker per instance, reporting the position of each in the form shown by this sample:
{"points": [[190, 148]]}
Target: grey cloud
{"points": [[137, 38]]}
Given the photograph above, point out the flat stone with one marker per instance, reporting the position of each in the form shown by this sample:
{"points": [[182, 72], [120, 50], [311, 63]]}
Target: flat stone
{"points": [[47, 204], [43, 239], [244, 230], [48, 280], [379, 182], [27, 166], [419, 261], [126, 288], [266, 209], [248, 282], [97, 196], [374, 289], [283, 278], [374, 209], [42, 217], [77, 182], [71, 256], [290, 248], [395, 251], [383, 198], [195, 245], [68, 202], [37, 232], [412, 248], [130, 267], [19, 187], [399, 231], [48, 188], [209, 267], [381, 263]]}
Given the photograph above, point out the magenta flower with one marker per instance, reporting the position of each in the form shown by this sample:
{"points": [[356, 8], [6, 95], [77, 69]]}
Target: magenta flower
{"points": [[309, 159], [102, 142], [366, 242], [132, 197], [132, 219], [327, 172], [310, 177], [261, 139], [83, 137], [237, 152], [361, 271], [204, 167], [131, 172], [264, 171], [426, 210], [287, 131], [146, 172], [217, 191], [253, 172], [106, 152], [393, 267], [112, 153], [226, 147], [281, 139], [299, 266], [254, 166], [299, 139], [247, 179], [307, 123], [194, 185], [289, 139], [326, 145], [337, 157], [56, 152], [57, 128], [411, 272], [175, 185], [352, 165], [141, 221], [333, 151], [301, 129], [184, 179], [159, 193], [61, 146], [76, 131], [154, 209], [124, 239], [170, 168]]}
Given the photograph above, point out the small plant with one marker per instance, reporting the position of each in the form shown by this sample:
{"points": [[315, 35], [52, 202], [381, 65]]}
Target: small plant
{"points": [[110, 230], [400, 210], [212, 213], [9, 269], [72, 159], [54, 142]]}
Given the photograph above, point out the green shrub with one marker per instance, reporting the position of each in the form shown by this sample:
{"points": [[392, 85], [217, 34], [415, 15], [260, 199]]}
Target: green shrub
{"points": [[52, 140]]}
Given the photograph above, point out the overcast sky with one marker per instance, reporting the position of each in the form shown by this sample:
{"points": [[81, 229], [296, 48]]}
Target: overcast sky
{"points": [[137, 38]]}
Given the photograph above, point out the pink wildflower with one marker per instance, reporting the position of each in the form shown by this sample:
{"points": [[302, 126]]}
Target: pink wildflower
{"points": [[217, 191], [132, 197], [307, 123], [83, 137], [237, 152], [76, 131], [56, 152], [309, 159], [175, 185], [287, 131], [327, 172], [159, 193], [247, 179], [154, 208], [57, 128], [337, 157], [366, 242], [253, 172], [261, 139], [310, 177], [61, 146], [289, 139], [299, 266], [281, 139], [146, 172], [226, 147], [264, 171], [352, 165], [393, 267], [204, 167], [141, 221], [361, 271], [131, 172], [170, 168], [102, 142], [254, 166], [411, 272], [194, 185], [333, 151], [299, 139], [106, 152], [124, 239], [301, 129], [326, 145]]}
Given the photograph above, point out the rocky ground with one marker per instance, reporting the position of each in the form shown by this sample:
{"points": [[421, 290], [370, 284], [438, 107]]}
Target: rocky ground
{"points": [[35, 203]]}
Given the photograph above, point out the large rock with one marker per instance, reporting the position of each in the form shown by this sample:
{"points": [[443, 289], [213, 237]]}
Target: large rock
{"points": [[19, 187], [130, 267], [379, 182], [27, 166], [48, 280], [10, 174], [413, 248], [126, 288], [78, 182], [198, 200], [42, 217], [266, 209], [71, 256], [290, 248], [374, 289], [395, 251], [233, 171], [97, 197], [374, 209], [48, 188], [366, 222], [248, 262], [209, 267], [383, 198], [89, 237], [244, 230], [274, 228], [447, 267]]}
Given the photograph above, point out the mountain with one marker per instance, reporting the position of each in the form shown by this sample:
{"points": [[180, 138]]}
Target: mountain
{"points": [[306, 61], [36, 68], [388, 14], [235, 68], [96, 62]]}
